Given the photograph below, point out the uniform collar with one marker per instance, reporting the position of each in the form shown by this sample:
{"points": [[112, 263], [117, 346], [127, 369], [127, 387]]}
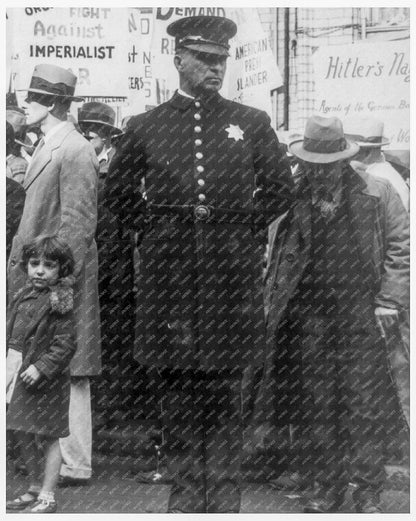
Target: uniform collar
{"points": [[184, 102]]}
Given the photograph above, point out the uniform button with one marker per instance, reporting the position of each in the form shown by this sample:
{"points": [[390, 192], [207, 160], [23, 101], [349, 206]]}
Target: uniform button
{"points": [[197, 104], [290, 257], [199, 155], [13, 262], [200, 169], [197, 116], [198, 142], [201, 182], [197, 129], [201, 197]]}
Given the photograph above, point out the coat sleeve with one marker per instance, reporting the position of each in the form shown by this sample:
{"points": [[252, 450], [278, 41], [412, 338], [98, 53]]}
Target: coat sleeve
{"points": [[123, 185], [275, 192], [78, 198], [395, 276], [62, 347]]}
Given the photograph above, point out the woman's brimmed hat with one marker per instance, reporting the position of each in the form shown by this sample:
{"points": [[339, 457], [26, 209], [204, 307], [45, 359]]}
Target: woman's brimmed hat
{"points": [[97, 113], [366, 131], [51, 80], [323, 142], [16, 117]]}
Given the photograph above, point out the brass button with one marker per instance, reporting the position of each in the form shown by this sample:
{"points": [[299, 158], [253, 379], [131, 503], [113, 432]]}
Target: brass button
{"points": [[199, 155], [197, 129], [290, 257], [201, 197], [200, 169], [197, 104], [201, 182], [197, 116], [198, 142]]}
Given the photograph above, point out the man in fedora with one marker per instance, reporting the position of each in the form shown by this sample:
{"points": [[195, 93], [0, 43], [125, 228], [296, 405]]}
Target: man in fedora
{"points": [[338, 262], [214, 177], [15, 163], [367, 133], [61, 199]]}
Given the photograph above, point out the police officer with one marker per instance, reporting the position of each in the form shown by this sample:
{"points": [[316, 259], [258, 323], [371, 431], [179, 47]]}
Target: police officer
{"points": [[214, 177]]}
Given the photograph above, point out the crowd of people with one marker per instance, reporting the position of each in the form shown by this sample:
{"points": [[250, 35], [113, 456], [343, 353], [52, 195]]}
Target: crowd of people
{"points": [[199, 188]]}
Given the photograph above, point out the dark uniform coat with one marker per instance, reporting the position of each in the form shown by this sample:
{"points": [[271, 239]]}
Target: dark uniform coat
{"points": [[48, 344], [200, 291]]}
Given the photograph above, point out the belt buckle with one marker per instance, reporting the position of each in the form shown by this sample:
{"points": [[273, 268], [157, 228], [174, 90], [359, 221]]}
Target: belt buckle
{"points": [[202, 212]]}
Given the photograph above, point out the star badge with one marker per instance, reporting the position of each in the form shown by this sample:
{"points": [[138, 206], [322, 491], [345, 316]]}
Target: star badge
{"points": [[234, 131]]}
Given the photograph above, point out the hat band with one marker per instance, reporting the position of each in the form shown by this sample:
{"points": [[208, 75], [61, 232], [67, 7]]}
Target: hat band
{"points": [[371, 139], [193, 41], [106, 119], [57, 89], [319, 146]]}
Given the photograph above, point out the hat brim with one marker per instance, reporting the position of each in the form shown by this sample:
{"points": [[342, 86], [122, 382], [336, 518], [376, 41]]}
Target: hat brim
{"points": [[98, 122], [46, 93], [208, 48], [296, 148], [366, 144]]}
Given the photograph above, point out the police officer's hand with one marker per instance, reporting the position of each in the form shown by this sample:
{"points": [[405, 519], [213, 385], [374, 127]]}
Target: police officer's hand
{"points": [[31, 375], [385, 318]]}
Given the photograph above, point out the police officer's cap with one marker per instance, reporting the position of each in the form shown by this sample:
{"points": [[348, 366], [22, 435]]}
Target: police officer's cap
{"points": [[209, 34]]}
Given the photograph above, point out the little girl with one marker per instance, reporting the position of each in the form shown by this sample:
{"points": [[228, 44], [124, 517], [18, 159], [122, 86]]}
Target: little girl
{"points": [[40, 335]]}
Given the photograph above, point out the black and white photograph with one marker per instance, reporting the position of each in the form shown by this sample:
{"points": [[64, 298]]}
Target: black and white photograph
{"points": [[207, 290]]}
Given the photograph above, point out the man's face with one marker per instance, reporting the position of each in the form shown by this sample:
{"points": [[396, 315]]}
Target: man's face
{"points": [[323, 173], [96, 136], [36, 109], [200, 72]]}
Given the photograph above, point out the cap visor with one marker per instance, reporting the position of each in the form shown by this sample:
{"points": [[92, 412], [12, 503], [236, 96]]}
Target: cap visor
{"points": [[208, 48]]}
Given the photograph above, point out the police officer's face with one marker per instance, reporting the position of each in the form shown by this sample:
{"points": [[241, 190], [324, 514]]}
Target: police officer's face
{"points": [[200, 72]]}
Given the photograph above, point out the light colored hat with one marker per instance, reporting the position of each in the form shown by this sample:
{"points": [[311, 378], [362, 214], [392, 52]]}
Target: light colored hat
{"points": [[52, 80], [323, 142], [366, 131]]}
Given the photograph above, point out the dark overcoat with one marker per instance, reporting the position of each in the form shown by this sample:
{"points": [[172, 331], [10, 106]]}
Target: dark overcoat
{"points": [[200, 301], [380, 227], [49, 344]]}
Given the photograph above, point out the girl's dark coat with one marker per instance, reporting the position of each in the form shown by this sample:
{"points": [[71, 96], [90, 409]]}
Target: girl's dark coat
{"points": [[49, 344]]}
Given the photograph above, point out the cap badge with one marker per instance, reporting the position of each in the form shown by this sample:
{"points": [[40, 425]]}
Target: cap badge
{"points": [[235, 132]]}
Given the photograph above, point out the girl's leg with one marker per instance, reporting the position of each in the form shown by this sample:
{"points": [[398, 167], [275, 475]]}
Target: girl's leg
{"points": [[53, 460], [32, 457]]}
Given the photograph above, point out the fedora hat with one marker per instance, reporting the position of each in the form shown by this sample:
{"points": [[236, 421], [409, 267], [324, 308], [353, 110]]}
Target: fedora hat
{"points": [[16, 117], [323, 142], [51, 80], [366, 131], [209, 34], [98, 113]]}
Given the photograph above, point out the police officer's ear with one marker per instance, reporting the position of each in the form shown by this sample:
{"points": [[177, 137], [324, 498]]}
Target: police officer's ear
{"points": [[178, 61]]}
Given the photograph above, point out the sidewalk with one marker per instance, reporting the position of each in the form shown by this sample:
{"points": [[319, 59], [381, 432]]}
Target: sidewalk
{"points": [[115, 488]]}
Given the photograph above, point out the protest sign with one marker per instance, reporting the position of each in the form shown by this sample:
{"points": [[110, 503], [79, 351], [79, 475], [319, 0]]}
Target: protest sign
{"points": [[366, 79], [88, 40]]}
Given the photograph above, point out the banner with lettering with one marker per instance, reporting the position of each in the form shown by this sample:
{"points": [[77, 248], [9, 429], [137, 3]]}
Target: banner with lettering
{"points": [[88, 40], [252, 69], [367, 79]]}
